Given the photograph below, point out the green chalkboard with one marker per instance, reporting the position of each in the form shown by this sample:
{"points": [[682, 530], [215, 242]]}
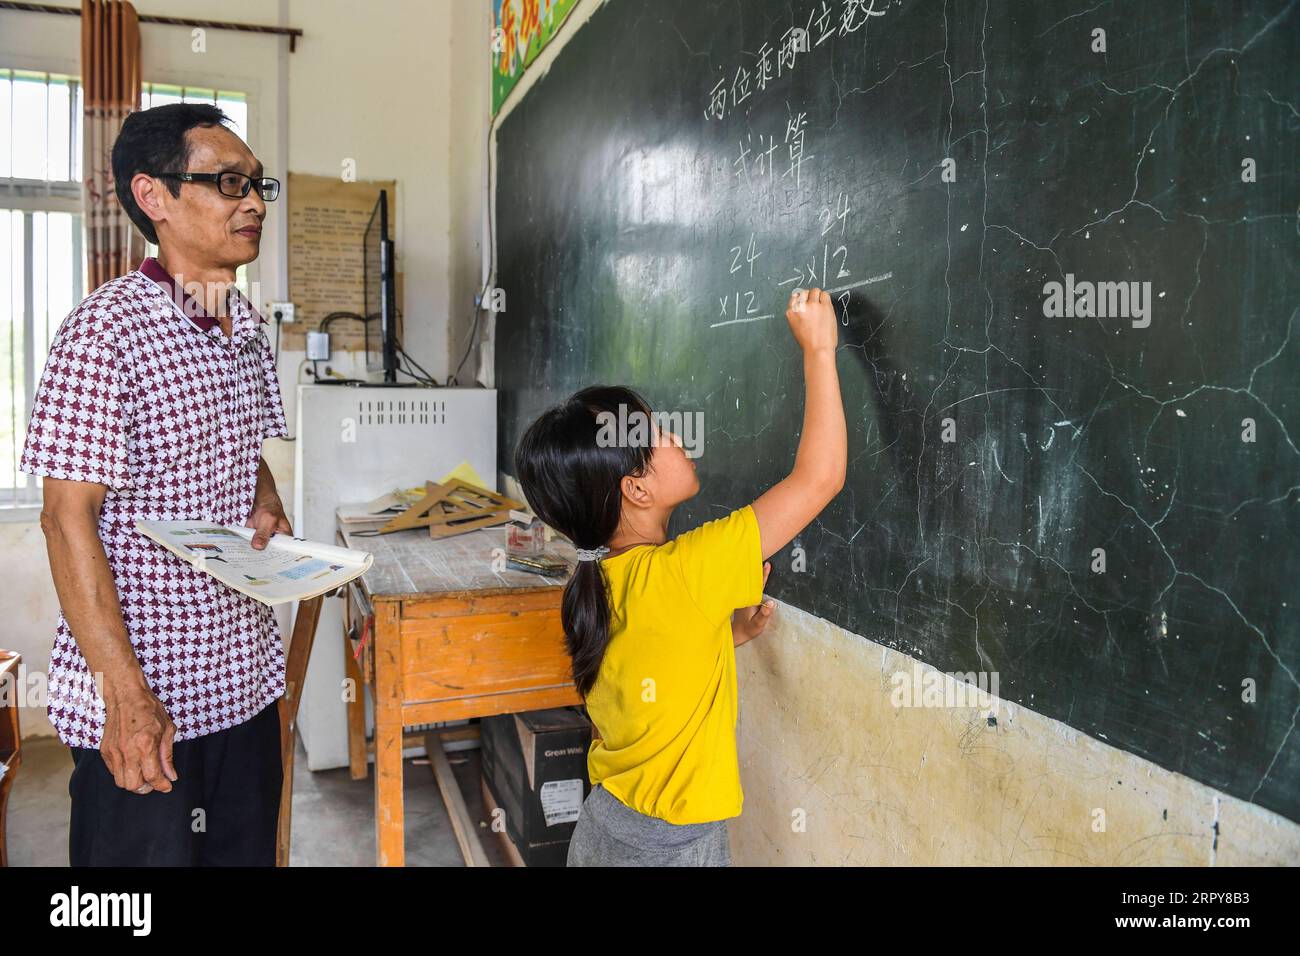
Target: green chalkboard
{"points": [[685, 163]]}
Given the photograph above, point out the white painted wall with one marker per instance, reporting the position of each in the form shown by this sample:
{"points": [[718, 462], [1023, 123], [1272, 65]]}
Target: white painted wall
{"points": [[400, 86], [469, 116]]}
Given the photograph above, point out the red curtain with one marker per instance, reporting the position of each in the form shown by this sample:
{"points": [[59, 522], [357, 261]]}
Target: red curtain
{"points": [[110, 71]]}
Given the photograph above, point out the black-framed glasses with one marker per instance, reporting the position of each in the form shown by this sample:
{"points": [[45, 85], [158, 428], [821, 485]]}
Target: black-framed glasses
{"points": [[232, 184]]}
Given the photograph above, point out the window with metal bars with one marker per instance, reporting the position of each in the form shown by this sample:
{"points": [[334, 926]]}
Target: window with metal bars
{"points": [[42, 268], [41, 259]]}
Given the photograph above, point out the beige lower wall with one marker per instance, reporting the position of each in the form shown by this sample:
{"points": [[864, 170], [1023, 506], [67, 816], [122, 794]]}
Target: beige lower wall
{"points": [[873, 784], [29, 611]]}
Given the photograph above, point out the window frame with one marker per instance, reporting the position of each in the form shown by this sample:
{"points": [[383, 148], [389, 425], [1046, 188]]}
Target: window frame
{"points": [[35, 195], [29, 197]]}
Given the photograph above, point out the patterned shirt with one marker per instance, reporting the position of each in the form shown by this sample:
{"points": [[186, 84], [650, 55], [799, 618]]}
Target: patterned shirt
{"points": [[144, 393]]}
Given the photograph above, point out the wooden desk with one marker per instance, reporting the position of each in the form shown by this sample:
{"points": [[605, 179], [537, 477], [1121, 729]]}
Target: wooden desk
{"points": [[446, 632]]}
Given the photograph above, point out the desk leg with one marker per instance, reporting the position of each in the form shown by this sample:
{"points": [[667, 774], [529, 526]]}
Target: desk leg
{"points": [[356, 707], [295, 672], [390, 830]]}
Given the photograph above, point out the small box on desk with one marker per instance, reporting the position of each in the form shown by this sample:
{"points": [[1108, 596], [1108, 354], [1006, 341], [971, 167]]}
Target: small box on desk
{"points": [[535, 765]]}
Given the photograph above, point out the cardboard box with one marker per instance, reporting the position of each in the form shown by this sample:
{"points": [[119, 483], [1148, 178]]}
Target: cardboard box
{"points": [[535, 765]]}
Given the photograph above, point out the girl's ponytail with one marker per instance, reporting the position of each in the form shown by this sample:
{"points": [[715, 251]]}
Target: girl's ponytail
{"points": [[571, 481], [584, 613]]}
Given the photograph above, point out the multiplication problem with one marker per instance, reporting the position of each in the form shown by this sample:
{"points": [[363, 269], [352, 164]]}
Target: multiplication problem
{"points": [[833, 261], [743, 258]]}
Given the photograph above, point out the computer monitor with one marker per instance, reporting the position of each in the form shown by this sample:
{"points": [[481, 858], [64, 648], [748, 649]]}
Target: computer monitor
{"points": [[380, 306]]}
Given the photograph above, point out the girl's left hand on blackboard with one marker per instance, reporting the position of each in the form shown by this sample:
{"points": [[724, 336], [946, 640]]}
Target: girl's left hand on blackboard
{"points": [[749, 622]]}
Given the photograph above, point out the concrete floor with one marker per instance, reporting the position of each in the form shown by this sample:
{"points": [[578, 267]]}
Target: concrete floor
{"points": [[333, 815]]}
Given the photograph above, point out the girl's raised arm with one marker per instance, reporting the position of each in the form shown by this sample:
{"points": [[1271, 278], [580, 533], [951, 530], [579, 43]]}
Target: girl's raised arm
{"points": [[791, 504]]}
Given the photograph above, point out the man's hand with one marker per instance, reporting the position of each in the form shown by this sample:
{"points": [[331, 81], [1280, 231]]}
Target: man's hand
{"points": [[268, 512], [267, 519], [136, 745], [749, 622]]}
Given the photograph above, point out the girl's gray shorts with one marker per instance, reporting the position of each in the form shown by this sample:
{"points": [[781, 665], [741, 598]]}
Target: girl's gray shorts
{"points": [[609, 833]]}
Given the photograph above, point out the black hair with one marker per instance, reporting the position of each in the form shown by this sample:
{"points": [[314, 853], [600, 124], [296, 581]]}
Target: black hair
{"points": [[154, 141], [572, 483]]}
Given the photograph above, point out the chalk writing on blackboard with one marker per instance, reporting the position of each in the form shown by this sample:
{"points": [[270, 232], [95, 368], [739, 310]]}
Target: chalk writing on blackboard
{"points": [[762, 161], [743, 258], [822, 24]]}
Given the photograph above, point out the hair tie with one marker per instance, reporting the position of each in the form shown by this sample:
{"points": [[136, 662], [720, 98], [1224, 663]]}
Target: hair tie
{"points": [[591, 554]]}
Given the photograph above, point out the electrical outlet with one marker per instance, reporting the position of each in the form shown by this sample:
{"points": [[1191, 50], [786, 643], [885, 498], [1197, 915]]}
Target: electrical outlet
{"points": [[280, 312], [318, 345]]}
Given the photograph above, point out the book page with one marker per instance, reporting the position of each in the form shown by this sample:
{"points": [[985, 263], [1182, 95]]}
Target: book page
{"points": [[288, 569]]}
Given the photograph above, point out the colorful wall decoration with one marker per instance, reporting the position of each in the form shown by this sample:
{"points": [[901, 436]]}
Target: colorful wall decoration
{"points": [[520, 31]]}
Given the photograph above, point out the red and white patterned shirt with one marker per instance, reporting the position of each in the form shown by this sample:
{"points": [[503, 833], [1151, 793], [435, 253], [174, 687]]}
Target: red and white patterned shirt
{"points": [[142, 392]]}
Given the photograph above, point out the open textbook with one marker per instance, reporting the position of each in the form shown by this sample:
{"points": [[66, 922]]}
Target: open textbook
{"points": [[287, 569]]}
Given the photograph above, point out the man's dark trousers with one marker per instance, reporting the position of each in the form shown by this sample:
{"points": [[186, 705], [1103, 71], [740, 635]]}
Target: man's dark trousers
{"points": [[223, 810]]}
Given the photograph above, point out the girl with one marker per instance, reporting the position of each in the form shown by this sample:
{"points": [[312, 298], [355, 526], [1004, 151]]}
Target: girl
{"points": [[649, 622]]}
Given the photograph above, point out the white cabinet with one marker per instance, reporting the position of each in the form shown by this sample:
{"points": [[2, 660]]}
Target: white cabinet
{"points": [[354, 444]]}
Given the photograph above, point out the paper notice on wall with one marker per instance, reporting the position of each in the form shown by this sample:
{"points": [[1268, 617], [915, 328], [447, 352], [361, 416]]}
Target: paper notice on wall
{"points": [[561, 801], [327, 221]]}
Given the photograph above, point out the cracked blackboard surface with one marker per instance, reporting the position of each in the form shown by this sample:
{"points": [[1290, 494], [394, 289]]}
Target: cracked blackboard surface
{"points": [[685, 164]]}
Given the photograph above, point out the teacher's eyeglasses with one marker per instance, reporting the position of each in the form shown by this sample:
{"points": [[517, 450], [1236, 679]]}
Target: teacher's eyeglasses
{"points": [[234, 185]]}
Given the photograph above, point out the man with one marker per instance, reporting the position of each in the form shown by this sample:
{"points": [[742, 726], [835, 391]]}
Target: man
{"points": [[153, 405]]}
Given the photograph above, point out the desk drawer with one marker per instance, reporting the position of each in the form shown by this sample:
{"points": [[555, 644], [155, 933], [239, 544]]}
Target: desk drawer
{"points": [[484, 645]]}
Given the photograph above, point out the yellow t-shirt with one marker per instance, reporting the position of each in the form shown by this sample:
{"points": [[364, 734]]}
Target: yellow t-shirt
{"points": [[664, 703]]}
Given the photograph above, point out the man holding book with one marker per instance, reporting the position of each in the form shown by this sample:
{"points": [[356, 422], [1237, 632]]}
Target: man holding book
{"points": [[155, 399]]}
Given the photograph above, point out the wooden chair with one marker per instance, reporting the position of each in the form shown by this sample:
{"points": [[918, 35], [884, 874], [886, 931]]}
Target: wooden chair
{"points": [[11, 756]]}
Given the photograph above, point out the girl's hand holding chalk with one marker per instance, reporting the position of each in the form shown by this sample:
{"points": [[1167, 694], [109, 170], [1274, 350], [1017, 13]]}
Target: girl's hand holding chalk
{"points": [[811, 315]]}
